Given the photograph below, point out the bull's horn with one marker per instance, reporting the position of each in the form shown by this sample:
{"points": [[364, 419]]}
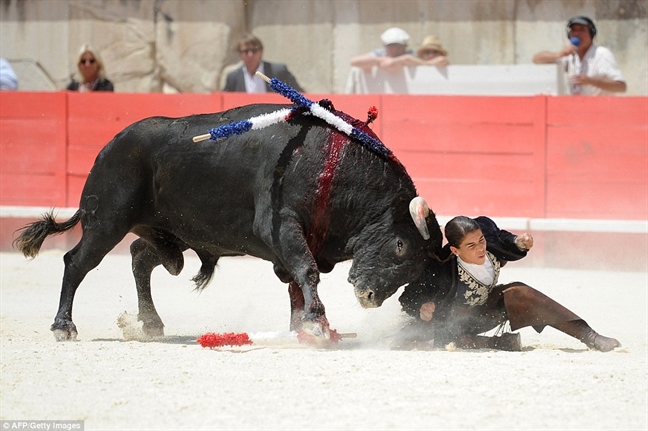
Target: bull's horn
{"points": [[419, 211]]}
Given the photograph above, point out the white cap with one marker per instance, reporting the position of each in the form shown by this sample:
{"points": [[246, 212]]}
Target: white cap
{"points": [[395, 35]]}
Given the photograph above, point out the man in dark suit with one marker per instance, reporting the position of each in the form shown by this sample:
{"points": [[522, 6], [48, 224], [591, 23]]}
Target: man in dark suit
{"points": [[250, 51]]}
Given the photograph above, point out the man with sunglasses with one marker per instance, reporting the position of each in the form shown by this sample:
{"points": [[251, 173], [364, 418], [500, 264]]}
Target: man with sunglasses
{"points": [[243, 79]]}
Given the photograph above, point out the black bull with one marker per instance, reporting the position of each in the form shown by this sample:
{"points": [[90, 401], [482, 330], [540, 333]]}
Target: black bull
{"points": [[299, 194]]}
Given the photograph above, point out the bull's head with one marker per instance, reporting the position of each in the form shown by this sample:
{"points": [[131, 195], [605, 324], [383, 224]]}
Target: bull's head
{"points": [[393, 253]]}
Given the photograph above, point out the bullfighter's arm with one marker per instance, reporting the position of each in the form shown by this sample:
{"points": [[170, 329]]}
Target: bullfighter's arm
{"points": [[505, 245], [414, 296], [433, 286]]}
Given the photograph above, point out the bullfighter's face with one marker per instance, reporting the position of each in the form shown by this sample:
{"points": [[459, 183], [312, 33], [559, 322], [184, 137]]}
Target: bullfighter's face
{"points": [[472, 248]]}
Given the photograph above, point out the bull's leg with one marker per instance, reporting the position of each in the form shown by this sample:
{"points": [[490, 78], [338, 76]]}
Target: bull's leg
{"points": [[297, 313], [85, 256], [63, 326], [144, 260], [285, 236], [296, 296], [298, 260]]}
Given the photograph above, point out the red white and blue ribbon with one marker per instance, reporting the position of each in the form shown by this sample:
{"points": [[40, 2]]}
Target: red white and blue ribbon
{"points": [[314, 108], [258, 122]]}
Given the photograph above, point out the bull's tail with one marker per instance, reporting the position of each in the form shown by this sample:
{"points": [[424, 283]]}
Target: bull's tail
{"points": [[32, 235]]}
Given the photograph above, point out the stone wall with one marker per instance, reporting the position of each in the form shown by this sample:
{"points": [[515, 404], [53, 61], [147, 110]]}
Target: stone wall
{"points": [[184, 45]]}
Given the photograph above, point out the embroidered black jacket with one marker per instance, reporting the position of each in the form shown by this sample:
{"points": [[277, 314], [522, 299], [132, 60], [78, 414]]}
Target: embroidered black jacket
{"points": [[439, 281]]}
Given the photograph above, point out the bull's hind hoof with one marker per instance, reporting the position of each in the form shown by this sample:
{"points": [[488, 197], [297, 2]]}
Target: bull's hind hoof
{"points": [[64, 335], [64, 330], [152, 326]]}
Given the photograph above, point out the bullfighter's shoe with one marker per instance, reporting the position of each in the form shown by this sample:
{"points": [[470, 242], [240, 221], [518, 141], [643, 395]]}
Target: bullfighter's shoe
{"points": [[596, 341], [511, 342]]}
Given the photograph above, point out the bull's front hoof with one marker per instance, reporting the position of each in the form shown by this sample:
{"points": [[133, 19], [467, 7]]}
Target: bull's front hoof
{"points": [[316, 330], [318, 334], [64, 331], [297, 320]]}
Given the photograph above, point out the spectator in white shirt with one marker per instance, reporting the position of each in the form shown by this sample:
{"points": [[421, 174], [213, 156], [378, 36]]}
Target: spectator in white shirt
{"points": [[599, 72], [8, 78]]}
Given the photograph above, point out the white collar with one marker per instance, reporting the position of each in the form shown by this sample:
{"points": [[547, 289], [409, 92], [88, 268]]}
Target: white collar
{"points": [[254, 84], [484, 273]]}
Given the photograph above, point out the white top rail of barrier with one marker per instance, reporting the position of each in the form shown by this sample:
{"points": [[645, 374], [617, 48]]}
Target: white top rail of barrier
{"points": [[513, 223], [487, 80]]}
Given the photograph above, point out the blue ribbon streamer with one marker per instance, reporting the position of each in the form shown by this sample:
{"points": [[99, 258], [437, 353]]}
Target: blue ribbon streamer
{"points": [[236, 128]]}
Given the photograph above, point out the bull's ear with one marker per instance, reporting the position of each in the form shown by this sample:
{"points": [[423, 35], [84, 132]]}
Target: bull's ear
{"points": [[440, 254], [432, 223], [434, 229]]}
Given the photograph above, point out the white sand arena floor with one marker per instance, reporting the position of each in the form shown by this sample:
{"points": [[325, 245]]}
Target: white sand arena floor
{"points": [[173, 383]]}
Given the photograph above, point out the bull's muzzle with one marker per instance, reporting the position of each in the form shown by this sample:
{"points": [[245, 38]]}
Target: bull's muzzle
{"points": [[367, 298]]}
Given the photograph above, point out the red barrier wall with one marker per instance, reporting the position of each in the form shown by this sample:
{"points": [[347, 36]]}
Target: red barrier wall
{"points": [[472, 155], [597, 159], [94, 121], [33, 148], [540, 156]]}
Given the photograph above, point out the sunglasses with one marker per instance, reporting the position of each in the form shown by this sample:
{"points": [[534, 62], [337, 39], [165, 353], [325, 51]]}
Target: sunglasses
{"points": [[89, 61], [250, 50]]}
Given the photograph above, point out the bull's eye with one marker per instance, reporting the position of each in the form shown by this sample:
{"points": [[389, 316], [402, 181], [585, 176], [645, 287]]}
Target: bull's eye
{"points": [[399, 247]]}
